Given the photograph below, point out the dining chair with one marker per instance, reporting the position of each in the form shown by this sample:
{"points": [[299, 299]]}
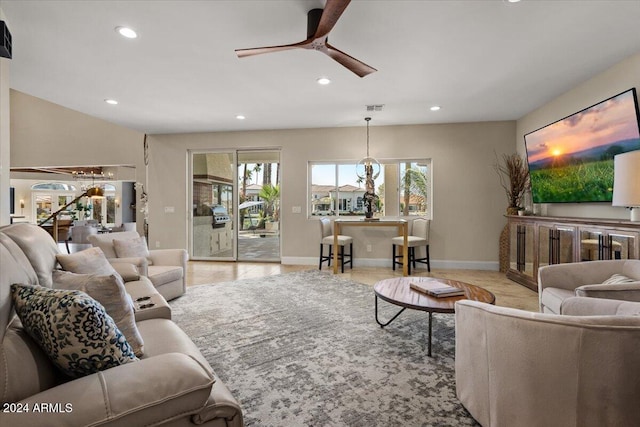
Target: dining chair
{"points": [[419, 237], [326, 238]]}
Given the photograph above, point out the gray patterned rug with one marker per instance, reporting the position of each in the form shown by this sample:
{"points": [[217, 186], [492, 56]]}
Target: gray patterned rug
{"points": [[303, 349]]}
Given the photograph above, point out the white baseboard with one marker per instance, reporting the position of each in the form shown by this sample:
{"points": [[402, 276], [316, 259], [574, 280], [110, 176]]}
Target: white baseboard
{"points": [[386, 263]]}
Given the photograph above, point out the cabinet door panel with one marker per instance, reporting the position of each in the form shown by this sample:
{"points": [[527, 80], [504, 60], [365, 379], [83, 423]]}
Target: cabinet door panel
{"points": [[521, 241], [623, 245], [556, 244], [591, 245], [565, 239], [545, 245]]}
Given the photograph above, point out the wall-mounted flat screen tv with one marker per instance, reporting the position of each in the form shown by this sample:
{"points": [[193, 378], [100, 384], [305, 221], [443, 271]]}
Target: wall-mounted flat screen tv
{"points": [[571, 160]]}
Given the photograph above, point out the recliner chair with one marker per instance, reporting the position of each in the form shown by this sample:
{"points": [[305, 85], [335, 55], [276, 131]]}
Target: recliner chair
{"points": [[166, 268], [586, 279]]}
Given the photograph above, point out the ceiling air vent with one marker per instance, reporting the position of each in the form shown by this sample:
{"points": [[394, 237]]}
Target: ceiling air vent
{"points": [[377, 107]]}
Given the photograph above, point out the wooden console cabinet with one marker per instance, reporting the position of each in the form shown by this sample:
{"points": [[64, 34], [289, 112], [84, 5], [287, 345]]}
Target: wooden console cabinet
{"points": [[536, 241]]}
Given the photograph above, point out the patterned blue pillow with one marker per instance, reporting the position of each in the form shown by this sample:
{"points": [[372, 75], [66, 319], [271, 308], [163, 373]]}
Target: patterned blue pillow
{"points": [[73, 329]]}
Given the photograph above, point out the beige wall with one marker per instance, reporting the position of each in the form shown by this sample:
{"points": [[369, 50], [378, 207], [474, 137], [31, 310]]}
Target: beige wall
{"points": [[613, 81], [5, 146], [468, 202], [46, 134]]}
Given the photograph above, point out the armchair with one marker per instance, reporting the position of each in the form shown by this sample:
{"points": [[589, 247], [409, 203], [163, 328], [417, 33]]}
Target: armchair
{"points": [[585, 279], [517, 368], [166, 268]]}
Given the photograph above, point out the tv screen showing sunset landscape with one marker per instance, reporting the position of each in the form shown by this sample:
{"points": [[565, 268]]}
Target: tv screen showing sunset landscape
{"points": [[571, 160]]}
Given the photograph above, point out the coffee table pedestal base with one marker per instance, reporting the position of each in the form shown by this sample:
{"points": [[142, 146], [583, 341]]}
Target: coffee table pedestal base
{"points": [[382, 325]]}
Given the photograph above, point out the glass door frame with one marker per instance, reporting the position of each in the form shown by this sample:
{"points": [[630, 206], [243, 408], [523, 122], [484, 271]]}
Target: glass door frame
{"points": [[235, 216], [259, 158], [190, 194]]}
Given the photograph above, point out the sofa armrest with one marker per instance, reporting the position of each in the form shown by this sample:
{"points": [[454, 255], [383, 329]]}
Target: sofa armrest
{"points": [[571, 275], [578, 306], [621, 291], [141, 263], [169, 257], [147, 392]]}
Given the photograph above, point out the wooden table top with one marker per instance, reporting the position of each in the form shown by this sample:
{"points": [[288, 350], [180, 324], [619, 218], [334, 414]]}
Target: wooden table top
{"points": [[397, 291]]}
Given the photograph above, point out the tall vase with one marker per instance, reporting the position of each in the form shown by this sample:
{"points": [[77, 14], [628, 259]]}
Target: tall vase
{"points": [[503, 255]]}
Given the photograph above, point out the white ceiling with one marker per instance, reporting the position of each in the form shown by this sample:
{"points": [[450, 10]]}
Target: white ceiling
{"points": [[479, 60]]}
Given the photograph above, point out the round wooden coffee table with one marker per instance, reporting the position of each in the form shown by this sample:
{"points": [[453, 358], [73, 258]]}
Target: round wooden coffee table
{"points": [[397, 291]]}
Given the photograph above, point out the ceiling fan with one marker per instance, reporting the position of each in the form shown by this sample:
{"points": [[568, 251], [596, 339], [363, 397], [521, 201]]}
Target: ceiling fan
{"points": [[319, 24]]}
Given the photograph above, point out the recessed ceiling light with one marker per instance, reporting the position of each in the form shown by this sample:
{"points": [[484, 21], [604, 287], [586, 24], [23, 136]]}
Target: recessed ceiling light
{"points": [[240, 117], [126, 32], [323, 81], [435, 108], [111, 101]]}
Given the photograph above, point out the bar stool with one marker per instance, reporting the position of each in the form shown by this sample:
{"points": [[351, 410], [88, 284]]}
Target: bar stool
{"points": [[326, 238], [419, 237]]}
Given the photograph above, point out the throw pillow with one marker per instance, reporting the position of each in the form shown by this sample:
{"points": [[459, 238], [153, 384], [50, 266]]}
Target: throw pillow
{"points": [[89, 261], [111, 293], [126, 270], [136, 247], [72, 328], [618, 279]]}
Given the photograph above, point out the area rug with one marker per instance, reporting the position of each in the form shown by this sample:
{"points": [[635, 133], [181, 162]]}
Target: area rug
{"points": [[303, 349]]}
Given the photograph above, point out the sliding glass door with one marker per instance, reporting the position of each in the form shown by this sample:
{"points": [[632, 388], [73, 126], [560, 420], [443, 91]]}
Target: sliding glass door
{"points": [[259, 205], [235, 205], [212, 227]]}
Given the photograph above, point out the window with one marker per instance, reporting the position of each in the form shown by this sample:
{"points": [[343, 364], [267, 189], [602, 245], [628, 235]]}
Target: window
{"points": [[336, 190], [415, 188], [58, 186], [49, 197]]}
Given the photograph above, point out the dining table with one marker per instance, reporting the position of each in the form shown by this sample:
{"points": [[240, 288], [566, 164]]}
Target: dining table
{"points": [[401, 225]]}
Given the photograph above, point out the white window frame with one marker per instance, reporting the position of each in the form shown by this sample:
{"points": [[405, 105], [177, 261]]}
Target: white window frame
{"points": [[391, 178]]}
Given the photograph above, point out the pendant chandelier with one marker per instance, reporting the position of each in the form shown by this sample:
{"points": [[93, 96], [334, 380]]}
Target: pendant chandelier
{"points": [[368, 169], [94, 190], [368, 164]]}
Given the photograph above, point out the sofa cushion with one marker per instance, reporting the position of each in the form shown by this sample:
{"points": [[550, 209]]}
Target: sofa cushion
{"points": [[105, 241], [89, 261], [136, 247], [161, 274], [552, 298], [111, 293], [617, 279], [72, 328]]}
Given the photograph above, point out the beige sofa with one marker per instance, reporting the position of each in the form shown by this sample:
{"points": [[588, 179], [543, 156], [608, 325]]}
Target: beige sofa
{"points": [[171, 384], [516, 368], [165, 268], [585, 279]]}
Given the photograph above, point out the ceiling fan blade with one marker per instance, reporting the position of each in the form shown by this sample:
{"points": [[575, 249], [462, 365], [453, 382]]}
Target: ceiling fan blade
{"points": [[354, 65], [268, 49], [330, 15]]}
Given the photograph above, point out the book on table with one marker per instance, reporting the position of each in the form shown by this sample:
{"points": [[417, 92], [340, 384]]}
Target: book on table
{"points": [[436, 289]]}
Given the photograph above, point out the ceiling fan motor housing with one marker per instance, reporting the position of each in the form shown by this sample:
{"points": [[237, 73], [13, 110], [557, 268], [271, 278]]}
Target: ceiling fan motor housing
{"points": [[313, 19]]}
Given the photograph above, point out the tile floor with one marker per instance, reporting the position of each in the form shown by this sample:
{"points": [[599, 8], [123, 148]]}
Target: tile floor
{"points": [[507, 292]]}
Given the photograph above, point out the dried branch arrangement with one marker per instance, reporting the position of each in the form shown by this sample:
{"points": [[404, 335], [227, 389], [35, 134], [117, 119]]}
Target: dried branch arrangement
{"points": [[514, 178]]}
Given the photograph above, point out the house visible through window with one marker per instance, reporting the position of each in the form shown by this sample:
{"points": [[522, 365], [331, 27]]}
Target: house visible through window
{"points": [[336, 189]]}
